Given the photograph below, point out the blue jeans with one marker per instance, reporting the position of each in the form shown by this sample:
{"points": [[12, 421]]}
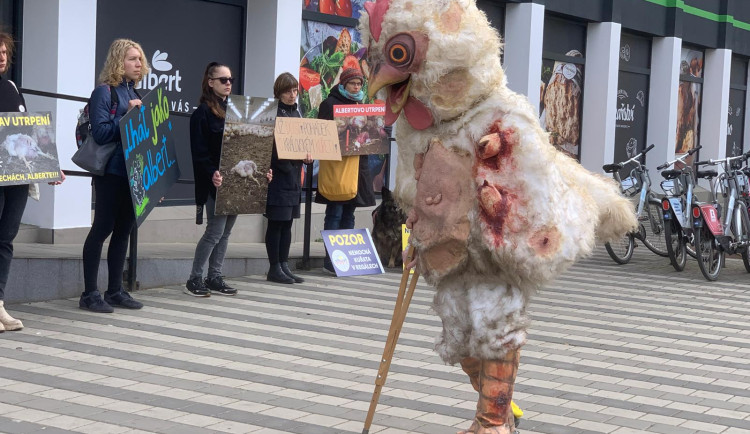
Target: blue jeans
{"points": [[12, 203], [212, 246], [339, 217]]}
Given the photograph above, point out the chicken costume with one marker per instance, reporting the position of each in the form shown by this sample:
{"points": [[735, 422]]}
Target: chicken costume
{"points": [[495, 211]]}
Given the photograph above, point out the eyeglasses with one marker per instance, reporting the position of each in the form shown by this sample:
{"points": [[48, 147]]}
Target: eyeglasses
{"points": [[224, 80], [355, 83]]}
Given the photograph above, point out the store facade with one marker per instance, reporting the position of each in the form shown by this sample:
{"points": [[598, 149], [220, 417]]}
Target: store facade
{"points": [[609, 76]]}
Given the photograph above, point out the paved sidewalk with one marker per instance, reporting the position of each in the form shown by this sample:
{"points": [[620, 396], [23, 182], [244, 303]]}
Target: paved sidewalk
{"points": [[612, 349]]}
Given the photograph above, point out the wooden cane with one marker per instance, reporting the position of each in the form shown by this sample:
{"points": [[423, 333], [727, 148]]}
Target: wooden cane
{"points": [[399, 315]]}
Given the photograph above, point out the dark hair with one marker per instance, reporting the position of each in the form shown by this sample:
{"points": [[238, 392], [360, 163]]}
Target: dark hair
{"points": [[207, 93], [284, 83], [10, 45]]}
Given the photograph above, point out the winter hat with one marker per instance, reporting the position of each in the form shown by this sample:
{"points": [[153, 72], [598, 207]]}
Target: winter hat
{"points": [[351, 74]]}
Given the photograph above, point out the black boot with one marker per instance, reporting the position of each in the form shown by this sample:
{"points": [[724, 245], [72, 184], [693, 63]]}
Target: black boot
{"points": [[276, 274], [288, 272]]}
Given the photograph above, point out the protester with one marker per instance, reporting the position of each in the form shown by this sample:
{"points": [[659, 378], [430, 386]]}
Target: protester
{"points": [[125, 65], [284, 191], [206, 133], [12, 197], [340, 214]]}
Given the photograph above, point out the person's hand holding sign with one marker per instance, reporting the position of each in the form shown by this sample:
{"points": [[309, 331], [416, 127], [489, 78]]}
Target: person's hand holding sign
{"points": [[269, 175], [134, 103], [217, 179]]}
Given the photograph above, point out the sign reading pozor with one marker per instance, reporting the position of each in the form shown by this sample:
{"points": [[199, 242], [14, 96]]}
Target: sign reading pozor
{"points": [[150, 156], [352, 252], [296, 137]]}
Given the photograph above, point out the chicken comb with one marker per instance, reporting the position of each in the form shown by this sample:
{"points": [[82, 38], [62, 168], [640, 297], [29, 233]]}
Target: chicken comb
{"points": [[376, 10]]}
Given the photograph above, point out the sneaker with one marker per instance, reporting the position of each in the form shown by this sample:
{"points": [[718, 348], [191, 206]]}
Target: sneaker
{"points": [[93, 301], [122, 299], [219, 286], [196, 288]]}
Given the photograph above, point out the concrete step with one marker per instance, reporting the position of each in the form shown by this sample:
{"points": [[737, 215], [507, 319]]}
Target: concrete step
{"points": [[42, 272]]}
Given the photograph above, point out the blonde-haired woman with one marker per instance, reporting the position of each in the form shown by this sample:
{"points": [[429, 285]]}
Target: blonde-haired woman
{"points": [[126, 64]]}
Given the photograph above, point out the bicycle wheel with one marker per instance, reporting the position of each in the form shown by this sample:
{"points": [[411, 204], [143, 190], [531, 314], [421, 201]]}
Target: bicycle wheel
{"points": [[675, 244], [621, 250], [710, 258], [746, 259], [653, 228], [690, 247]]}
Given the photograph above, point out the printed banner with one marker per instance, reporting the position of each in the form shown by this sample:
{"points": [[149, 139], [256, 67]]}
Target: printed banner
{"points": [[361, 129], [150, 158], [295, 137], [28, 152], [352, 252], [246, 155]]}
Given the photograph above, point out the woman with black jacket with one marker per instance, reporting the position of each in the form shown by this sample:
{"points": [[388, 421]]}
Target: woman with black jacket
{"points": [[206, 134], [12, 197], [284, 191], [340, 214]]}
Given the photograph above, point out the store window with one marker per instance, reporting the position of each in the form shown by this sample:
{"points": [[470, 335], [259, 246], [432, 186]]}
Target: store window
{"points": [[561, 88], [331, 43], [689, 102], [178, 56], [632, 96], [736, 111]]}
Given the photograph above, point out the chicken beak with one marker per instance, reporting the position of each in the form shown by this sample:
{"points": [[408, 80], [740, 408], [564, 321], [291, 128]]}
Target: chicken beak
{"points": [[383, 75]]}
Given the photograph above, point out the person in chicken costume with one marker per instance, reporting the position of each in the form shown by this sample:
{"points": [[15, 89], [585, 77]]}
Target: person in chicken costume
{"points": [[495, 211]]}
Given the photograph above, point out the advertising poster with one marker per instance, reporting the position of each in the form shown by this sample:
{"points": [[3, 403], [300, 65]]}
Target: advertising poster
{"points": [[28, 153], [296, 137], [735, 123], [341, 8], [631, 117], [561, 93], [361, 129], [150, 158], [246, 155], [688, 102], [352, 252], [327, 50]]}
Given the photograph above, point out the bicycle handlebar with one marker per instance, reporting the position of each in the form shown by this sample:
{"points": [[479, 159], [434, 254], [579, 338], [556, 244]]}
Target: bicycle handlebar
{"points": [[680, 159], [726, 160], [637, 157]]}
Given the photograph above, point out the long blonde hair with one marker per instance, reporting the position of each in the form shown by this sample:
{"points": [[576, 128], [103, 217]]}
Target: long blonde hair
{"points": [[114, 66]]}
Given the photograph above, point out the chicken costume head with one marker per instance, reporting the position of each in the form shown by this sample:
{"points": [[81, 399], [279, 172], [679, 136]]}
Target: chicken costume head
{"points": [[496, 212]]}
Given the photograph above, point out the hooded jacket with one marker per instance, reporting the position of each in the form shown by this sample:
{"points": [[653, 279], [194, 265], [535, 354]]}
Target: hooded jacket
{"points": [[365, 195], [106, 130]]}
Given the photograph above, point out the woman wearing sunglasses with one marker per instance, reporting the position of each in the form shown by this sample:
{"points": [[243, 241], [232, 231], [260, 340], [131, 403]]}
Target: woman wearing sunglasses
{"points": [[206, 131]]}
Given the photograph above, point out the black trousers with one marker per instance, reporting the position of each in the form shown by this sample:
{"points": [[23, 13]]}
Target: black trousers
{"points": [[278, 240], [113, 214], [12, 203]]}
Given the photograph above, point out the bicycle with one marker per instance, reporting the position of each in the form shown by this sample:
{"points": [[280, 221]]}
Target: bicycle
{"points": [[678, 189], [714, 238], [648, 212]]}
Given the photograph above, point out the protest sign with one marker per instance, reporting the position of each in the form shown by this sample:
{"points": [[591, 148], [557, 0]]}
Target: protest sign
{"points": [[352, 252], [361, 129], [28, 153], [150, 157], [295, 137], [246, 155]]}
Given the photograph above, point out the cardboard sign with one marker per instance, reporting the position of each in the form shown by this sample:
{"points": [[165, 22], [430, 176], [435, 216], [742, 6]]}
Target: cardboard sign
{"points": [[295, 137], [150, 157], [28, 152], [246, 151], [361, 129], [405, 233], [352, 252]]}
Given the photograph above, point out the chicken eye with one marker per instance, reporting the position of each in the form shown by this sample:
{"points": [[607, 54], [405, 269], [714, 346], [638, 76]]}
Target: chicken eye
{"points": [[398, 54], [400, 50]]}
